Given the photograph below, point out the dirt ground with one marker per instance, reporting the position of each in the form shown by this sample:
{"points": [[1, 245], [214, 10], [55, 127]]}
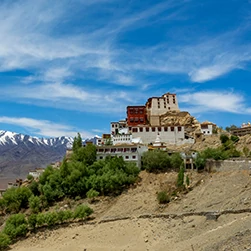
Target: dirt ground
{"points": [[176, 226]]}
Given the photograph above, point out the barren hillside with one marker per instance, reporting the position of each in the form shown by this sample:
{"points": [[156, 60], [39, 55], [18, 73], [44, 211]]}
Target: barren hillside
{"points": [[215, 215]]}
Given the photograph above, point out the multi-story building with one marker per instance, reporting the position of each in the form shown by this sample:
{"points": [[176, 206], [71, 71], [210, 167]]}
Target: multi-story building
{"points": [[168, 134], [129, 152], [136, 115], [157, 106]]}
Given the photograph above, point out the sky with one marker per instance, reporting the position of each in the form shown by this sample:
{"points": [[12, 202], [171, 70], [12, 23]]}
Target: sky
{"points": [[69, 66]]}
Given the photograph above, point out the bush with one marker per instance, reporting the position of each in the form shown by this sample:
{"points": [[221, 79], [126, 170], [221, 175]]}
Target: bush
{"points": [[35, 204], [91, 194], [32, 221], [5, 241], [51, 218], [82, 211], [224, 138], [41, 219], [16, 198], [16, 225], [163, 197]]}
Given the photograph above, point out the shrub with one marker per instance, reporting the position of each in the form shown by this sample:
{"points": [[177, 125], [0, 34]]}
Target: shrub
{"points": [[51, 218], [224, 138], [91, 194], [40, 219], [4, 241], [16, 225], [35, 204], [163, 197], [82, 211], [32, 221]]}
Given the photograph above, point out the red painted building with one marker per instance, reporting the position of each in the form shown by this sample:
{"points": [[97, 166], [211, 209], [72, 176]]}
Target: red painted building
{"points": [[136, 115]]}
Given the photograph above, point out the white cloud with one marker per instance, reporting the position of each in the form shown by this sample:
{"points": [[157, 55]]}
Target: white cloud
{"points": [[211, 101], [45, 128], [69, 96]]}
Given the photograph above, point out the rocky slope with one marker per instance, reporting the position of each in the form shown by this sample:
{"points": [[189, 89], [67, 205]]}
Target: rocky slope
{"points": [[135, 221], [192, 126]]}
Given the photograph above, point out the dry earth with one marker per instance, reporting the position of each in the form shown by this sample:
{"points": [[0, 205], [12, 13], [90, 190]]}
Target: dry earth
{"points": [[144, 225]]}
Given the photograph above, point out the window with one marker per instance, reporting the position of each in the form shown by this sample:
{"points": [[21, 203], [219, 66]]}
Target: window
{"points": [[127, 157], [165, 106], [141, 129], [159, 129], [131, 111], [172, 128], [141, 120], [112, 125], [179, 128], [133, 149], [165, 129], [135, 129], [147, 129], [134, 157], [131, 119], [158, 106], [153, 129], [136, 119], [101, 157], [141, 111]]}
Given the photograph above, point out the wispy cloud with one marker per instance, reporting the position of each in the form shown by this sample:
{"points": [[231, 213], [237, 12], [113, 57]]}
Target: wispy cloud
{"points": [[71, 97], [214, 101], [45, 128]]}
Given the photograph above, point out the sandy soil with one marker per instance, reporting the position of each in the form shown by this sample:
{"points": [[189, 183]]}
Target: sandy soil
{"points": [[213, 193]]}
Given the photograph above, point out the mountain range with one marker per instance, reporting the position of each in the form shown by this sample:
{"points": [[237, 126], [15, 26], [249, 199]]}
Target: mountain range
{"points": [[20, 153]]}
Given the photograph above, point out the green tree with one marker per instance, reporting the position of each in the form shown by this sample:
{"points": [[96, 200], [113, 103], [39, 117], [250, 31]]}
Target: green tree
{"points": [[77, 143], [155, 160], [176, 160], [180, 178], [230, 128], [16, 198], [16, 225]]}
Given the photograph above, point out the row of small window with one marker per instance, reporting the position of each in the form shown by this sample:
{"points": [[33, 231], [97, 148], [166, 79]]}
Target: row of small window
{"points": [[126, 157], [153, 129], [136, 111], [113, 150], [120, 139], [136, 120], [117, 125]]}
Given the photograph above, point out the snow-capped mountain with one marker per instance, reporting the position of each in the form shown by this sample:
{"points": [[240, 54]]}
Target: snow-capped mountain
{"points": [[20, 153]]}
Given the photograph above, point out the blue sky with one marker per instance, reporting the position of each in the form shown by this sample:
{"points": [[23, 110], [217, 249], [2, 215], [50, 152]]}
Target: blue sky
{"points": [[70, 66]]}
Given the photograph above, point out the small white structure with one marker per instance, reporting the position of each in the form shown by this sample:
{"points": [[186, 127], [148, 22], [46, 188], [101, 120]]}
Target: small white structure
{"points": [[115, 127], [36, 173], [207, 128], [129, 152]]}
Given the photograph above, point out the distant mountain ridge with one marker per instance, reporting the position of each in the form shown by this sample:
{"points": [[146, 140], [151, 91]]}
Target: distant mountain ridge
{"points": [[20, 153]]}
